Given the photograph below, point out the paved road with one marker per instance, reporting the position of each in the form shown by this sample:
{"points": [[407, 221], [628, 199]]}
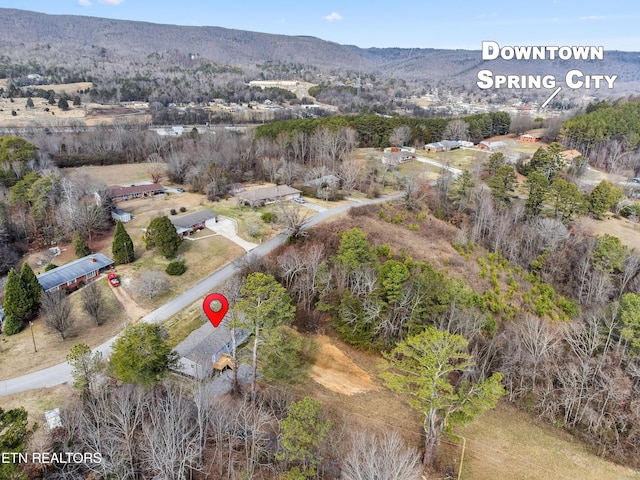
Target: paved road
{"points": [[61, 373]]}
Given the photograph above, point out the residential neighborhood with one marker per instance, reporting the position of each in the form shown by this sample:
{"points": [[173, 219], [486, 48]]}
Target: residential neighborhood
{"points": [[285, 242]]}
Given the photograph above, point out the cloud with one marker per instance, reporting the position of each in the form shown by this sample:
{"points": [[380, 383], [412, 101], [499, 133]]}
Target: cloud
{"points": [[84, 3], [333, 16], [110, 2], [592, 17]]}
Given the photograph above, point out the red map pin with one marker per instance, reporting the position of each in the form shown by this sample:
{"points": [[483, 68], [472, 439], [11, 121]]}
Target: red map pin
{"points": [[215, 307]]}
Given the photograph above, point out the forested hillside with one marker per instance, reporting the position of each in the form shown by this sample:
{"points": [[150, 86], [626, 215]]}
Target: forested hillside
{"points": [[608, 134], [171, 63]]}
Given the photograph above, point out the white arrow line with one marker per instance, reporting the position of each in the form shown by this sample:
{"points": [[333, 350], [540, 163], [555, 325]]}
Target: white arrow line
{"points": [[551, 97]]}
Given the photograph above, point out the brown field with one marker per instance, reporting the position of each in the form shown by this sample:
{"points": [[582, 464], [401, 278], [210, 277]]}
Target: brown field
{"points": [[624, 229], [89, 114], [508, 444]]}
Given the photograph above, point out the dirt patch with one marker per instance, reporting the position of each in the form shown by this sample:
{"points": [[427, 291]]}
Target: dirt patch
{"points": [[335, 371]]}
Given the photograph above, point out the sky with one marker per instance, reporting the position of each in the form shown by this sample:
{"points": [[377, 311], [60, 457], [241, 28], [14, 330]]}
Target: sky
{"points": [[452, 24]]}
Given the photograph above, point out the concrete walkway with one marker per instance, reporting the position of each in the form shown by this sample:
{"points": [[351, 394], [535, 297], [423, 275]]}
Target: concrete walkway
{"points": [[228, 228]]}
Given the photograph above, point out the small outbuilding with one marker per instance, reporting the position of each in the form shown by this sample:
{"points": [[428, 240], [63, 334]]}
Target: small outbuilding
{"points": [[119, 214]]}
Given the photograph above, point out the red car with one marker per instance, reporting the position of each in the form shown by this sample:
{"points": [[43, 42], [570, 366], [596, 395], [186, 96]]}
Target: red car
{"points": [[113, 279]]}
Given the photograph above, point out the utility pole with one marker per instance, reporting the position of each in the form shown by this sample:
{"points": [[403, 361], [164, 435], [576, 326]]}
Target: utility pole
{"points": [[35, 350]]}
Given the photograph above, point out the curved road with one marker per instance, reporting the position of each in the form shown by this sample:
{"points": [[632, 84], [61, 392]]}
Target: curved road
{"points": [[61, 373]]}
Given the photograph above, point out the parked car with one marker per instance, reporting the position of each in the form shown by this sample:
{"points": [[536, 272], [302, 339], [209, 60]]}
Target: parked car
{"points": [[299, 200], [113, 280], [180, 189]]}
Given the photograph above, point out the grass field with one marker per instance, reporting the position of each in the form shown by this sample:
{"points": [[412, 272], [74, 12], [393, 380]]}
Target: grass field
{"points": [[508, 444], [17, 356]]}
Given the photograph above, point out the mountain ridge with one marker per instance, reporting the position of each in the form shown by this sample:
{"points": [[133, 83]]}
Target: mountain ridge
{"points": [[78, 41]]}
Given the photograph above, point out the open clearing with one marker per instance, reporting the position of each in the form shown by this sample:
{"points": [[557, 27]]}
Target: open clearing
{"points": [[624, 229], [508, 444], [337, 372]]}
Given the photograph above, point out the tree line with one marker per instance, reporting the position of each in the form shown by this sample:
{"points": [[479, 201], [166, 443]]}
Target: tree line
{"points": [[375, 130]]}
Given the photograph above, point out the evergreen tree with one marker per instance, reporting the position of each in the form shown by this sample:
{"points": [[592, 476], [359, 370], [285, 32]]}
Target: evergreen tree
{"points": [[429, 367], [14, 434], [461, 190], [264, 304], [496, 161], [141, 354], [566, 200], [603, 198], [303, 431], [80, 245], [32, 288], [503, 185], [29, 103], [538, 188], [122, 246], [63, 104], [16, 304], [162, 234]]}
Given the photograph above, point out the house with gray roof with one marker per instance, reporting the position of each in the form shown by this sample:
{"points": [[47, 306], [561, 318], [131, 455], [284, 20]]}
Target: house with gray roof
{"points": [[71, 275], [492, 146], [267, 195], [192, 222], [327, 180], [443, 146]]}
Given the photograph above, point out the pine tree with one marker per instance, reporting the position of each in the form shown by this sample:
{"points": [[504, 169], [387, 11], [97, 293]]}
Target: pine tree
{"points": [[32, 288], [162, 234], [122, 246], [80, 245], [16, 304]]}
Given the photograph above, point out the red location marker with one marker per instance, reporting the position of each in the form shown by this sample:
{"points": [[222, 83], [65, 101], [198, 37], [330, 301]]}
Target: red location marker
{"points": [[215, 307]]}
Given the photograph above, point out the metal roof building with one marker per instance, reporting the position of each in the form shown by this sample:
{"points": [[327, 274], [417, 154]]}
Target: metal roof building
{"points": [[72, 273]]}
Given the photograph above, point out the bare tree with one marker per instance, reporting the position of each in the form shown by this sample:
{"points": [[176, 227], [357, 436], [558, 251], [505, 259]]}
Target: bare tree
{"points": [[57, 312], [170, 433], [400, 136], [156, 167], [456, 130], [93, 302], [152, 283], [350, 172], [293, 217], [371, 457]]}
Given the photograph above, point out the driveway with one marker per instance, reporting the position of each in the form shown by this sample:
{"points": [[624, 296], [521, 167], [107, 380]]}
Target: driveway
{"points": [[455, 171], [228, 228], [61, 373]]}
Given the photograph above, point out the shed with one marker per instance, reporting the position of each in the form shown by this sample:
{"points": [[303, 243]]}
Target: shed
{"points": [[53, 418], [119, 214]]}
